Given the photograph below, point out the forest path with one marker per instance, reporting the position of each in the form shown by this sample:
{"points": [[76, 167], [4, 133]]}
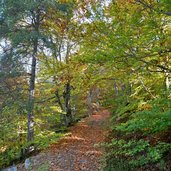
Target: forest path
{"points": [[76, 151]]}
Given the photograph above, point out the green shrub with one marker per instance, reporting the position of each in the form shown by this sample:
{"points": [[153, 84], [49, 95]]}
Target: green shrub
{"points": [[138, 132]]}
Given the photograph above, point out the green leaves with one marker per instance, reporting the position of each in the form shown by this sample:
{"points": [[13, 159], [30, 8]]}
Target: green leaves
{"points": [[121, 48], [132, 150]]}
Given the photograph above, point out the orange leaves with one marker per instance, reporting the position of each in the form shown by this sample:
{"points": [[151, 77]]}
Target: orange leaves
{"points": [[146, 107]]}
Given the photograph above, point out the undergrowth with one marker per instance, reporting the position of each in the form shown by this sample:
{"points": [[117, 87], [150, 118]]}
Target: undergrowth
{"points": [[140, 137]]}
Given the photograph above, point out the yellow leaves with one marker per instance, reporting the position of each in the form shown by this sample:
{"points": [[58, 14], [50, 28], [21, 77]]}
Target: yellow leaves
{"points": [[146, 129], [145, 107], [124, 2], [55, 109], [53, 89], [2, 149], [167, 28], [64, 1], [167, 32]]}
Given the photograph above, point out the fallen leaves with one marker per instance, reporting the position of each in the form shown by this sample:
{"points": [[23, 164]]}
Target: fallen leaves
{"points": [[76, 151]]}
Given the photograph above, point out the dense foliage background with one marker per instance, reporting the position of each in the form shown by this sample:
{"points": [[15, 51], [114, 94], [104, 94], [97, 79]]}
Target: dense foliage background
{"points": [[60, 60]]}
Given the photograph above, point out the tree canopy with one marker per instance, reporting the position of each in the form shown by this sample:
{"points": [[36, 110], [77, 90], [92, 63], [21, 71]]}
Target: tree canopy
{"points": [[61, 60]]}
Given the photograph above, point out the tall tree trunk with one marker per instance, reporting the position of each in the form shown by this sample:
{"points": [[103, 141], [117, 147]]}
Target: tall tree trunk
{"points": [[36, 25], [167, 75], [67, 106], [31, 95], [67, 92]]}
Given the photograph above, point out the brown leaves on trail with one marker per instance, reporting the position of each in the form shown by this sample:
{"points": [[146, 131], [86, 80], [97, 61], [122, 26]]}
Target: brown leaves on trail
{"points": [[76, 151]]}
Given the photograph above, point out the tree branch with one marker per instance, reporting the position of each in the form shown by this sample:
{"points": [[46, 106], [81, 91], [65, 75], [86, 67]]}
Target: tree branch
{"points": [[152, 8]]}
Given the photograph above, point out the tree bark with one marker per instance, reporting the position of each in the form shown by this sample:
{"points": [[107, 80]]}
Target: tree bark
{"points": [[67, 106], [167, 79], [59, 99], [35, 25], [31, 95]]}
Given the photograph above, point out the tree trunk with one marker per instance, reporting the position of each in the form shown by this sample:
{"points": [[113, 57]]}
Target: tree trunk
{"points": [[59, 99], [67, 107], [167, 75], [31, 95], [35, 25]]}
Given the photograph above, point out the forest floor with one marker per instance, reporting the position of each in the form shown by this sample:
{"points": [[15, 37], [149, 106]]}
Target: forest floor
{"points": [[76, 151]]}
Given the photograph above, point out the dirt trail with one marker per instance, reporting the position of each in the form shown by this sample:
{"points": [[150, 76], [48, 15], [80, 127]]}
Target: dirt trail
{"points": [[75, 152]]}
